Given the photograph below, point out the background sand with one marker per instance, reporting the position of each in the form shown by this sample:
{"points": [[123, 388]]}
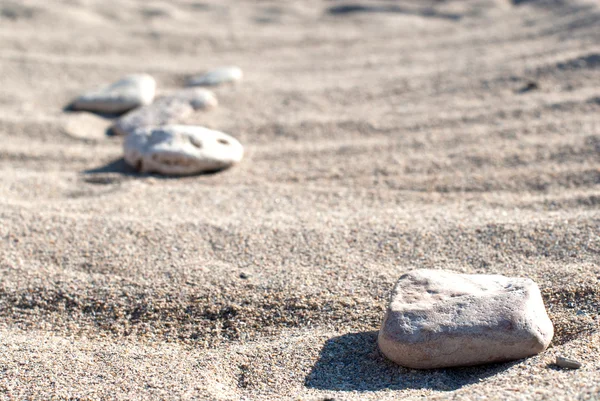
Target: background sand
{"points": [[381, 136]]}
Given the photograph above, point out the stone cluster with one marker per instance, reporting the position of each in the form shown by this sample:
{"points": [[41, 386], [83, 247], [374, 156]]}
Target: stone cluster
{"points": [[155, 141]]}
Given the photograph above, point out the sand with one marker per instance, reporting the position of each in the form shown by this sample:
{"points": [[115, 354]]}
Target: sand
{"points": [[380, 137]]}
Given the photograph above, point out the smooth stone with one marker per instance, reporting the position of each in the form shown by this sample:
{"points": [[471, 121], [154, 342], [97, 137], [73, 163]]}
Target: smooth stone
{"points": [[128, 93], [181, 150], [85, 126], [567, 363], [165, 110], [217, 77], [439, 318]]}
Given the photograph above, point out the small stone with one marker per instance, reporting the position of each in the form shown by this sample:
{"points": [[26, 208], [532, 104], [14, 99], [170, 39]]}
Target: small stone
{"points": [[439, 319], [126, 94], [181, 150], [567, 363], [217, 77], [166, 110], [244, 276], [86, 126], [530, 86]]}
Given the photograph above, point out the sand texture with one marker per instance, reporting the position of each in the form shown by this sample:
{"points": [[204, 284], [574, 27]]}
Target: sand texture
{"points": [[380, 136]]}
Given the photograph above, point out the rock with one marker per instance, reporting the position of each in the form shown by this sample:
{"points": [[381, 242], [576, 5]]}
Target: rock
{"points": [[85, 126], [181, 150], [567, 363], [217, 77], [530, 86], [438, 319], [166, 110], [126, 94]]}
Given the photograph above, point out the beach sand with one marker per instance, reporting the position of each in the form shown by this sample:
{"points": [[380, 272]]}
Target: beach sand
{"points": [[380, 136]]}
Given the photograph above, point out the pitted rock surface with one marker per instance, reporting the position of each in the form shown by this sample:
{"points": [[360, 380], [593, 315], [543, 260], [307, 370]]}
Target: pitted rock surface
{"points": [[181, 150], [438, 319], [168, 109]]}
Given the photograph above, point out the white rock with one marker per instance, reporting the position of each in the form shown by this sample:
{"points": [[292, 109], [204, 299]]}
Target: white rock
{"points": [[440, 319], [217, 77], [181, 150], [165, 110], [126, 94]]}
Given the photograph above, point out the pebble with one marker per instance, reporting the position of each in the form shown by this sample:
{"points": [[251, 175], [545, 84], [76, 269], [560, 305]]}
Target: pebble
{"points": [[439, 319], [168, 109], [126, 94], [181, 150], [567, 363], [85, 126], [217, 77], [530, 86]]}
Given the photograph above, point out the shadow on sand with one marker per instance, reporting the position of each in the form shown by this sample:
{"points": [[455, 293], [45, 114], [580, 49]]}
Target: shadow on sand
{"points": [[116, 166], [109, 116], [352, 362], [119, 166], [360, 8]]}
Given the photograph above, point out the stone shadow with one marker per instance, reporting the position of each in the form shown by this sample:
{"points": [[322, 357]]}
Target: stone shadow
{"points": [[360, 8], [119, 166], [352, 362], [538, 2], [116, 166], [70, 108]]}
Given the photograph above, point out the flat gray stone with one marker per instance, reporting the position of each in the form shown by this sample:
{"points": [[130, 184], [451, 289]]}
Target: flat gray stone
{"points": [[567, 363], [439, 318], [217, 77], [128, 93], [181, 150], [165, 110]]}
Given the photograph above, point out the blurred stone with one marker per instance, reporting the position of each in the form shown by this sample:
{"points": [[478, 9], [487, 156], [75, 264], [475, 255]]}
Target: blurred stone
{"points": [[168, 109], [530, 86], [217, 77], [86, 126], [126, 94]]}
